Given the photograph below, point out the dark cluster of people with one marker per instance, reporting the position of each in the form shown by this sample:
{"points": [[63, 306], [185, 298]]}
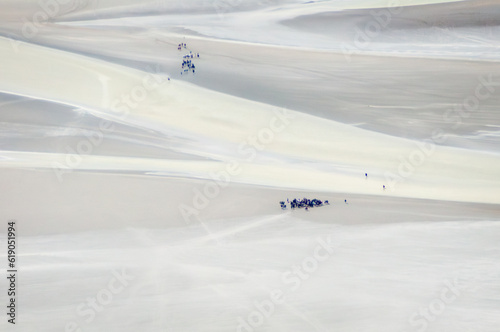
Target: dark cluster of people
{"points": [[187, 62], [303, 203], [310, 203]]}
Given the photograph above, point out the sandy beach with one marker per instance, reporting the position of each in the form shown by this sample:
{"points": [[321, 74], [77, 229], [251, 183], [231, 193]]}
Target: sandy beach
{"points": [[145, 191]]}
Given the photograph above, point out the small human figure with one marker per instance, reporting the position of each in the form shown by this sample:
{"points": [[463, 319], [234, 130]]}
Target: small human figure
{"points": [[366, 175], [197, 55], [383, 186], [307, 209], [345, 200]]}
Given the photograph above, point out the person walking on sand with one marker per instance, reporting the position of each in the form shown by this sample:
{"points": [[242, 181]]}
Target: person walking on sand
{"points": [[383, 186], [345, 200]]}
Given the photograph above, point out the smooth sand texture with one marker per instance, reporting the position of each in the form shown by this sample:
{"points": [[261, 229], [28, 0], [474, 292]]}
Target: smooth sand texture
{"points": [[159, 198]]}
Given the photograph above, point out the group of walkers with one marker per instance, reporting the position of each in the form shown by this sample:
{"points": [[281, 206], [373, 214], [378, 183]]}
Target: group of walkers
{"points": [[302, 203], [187, 59], [309, 203], [187, 63]]}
